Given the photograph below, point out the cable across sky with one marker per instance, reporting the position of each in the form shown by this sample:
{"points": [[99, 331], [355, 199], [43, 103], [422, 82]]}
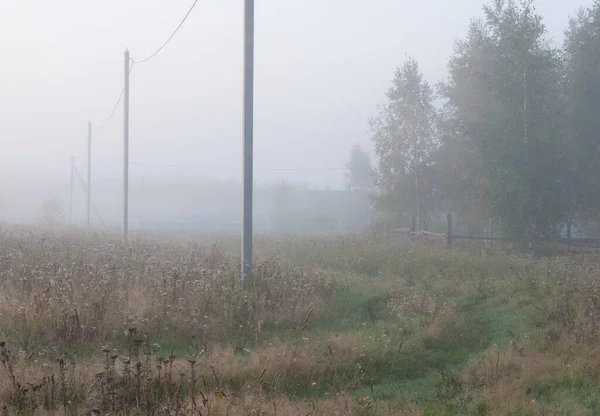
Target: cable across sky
{"points": [[170, 37], [114, 110], [224, 168]]}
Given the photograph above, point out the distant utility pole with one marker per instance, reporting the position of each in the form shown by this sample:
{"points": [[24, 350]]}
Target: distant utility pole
{"points": [[248, 116], [89, 174], [71, 191], [126, 148]]}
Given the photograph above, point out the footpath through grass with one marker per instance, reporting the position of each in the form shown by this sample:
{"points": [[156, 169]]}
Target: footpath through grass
{"points": [[453, 333], [344, 326]]}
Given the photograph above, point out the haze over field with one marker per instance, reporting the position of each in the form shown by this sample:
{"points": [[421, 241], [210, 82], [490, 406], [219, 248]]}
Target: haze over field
{"points": [[321, 69]]}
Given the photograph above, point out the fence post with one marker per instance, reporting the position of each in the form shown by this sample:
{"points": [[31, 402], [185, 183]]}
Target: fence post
{"points": [[449, 229], [413, 228], [569, 235]]}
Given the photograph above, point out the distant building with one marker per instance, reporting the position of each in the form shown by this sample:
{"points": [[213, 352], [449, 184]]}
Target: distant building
{"points": [[320, 211], [280, 209]]}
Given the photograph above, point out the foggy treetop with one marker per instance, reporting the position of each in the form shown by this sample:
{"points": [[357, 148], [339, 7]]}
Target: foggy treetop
{"points": [[517, 135]]}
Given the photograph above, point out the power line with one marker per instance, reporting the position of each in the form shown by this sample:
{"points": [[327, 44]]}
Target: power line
{"points": [[298, 169], [170, 37], [114, 110], [163, 165], [159, 165]]}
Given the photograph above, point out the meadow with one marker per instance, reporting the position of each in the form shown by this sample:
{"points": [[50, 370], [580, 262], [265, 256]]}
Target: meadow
{"points": [[355, 325]]}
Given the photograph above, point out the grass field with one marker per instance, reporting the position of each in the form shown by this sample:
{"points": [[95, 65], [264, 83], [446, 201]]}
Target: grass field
{"points": [[338, 326]]}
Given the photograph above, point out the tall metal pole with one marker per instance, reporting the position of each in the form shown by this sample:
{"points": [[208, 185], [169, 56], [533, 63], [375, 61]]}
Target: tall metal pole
{"points": [[89, 175], [71, 191], [248, 139], [126, 148]]}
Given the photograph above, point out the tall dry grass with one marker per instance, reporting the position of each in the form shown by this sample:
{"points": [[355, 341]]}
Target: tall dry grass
{"points": [[71, 288], [71, 291]]}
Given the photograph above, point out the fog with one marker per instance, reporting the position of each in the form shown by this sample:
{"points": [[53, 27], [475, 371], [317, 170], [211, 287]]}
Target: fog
{"points": [[322, 67]]}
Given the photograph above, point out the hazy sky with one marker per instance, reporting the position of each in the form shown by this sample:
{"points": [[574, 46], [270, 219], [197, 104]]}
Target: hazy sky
{"points": [[322, 66]]}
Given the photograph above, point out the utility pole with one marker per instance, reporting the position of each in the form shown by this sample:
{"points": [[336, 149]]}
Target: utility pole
{"points": [[417, 224], [89, 175], [126, 148], [248, 116], [71, 191]]}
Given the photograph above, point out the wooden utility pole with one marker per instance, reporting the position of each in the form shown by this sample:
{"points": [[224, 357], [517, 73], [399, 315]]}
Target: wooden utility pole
{"points": [[126, 148], [71, 191], [89, 176]]}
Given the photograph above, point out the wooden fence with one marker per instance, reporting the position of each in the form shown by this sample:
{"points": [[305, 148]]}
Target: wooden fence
{"points": [[450, 237]]}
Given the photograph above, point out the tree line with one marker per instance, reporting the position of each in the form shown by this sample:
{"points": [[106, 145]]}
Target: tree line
{"points": [[512, 134]]}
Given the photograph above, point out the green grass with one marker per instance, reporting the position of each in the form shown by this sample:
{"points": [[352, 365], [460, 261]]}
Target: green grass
{"points": [[415, 371], [493, 315]]}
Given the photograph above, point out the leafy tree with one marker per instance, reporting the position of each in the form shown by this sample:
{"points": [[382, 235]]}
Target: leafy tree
{"points": [[582, 53], [404, 137], [458, 179], [504, 93], [359, 172], [51, 213]]}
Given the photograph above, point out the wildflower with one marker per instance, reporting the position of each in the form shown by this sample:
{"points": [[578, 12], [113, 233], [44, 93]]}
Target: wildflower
{"points": [[367, 401]]}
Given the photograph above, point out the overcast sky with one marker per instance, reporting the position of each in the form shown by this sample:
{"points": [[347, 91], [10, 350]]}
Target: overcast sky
{"points": [[322, 66]]}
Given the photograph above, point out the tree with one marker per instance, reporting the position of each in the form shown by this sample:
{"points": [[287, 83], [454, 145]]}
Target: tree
{"points": [[504, 92], [404, 137], [582, 53], [359, 172], [463, 119], [457, 177], [51, 213]]}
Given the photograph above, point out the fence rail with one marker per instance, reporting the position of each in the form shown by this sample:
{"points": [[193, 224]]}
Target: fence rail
{"points": [[449, 236]]}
